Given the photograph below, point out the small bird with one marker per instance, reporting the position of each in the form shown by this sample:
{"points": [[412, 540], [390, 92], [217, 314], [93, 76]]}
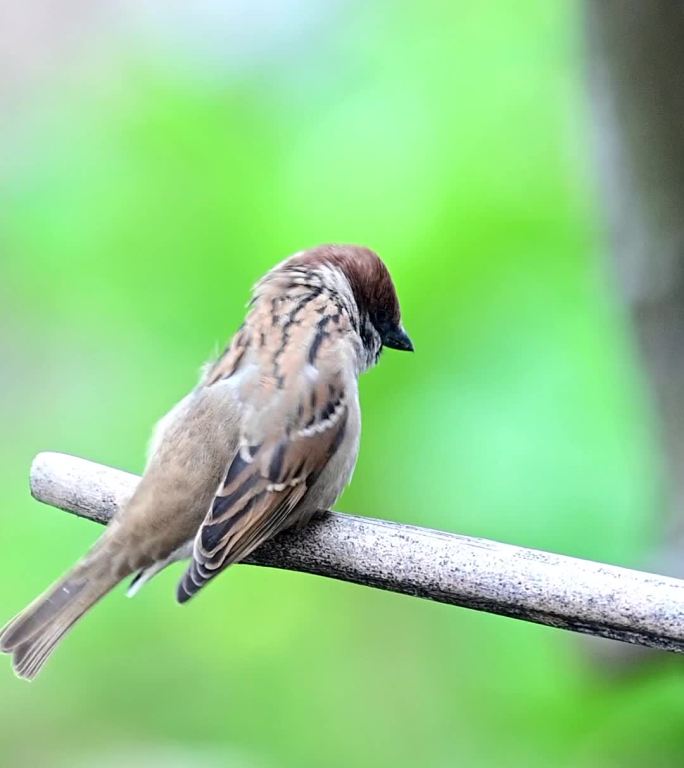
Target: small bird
{"points": [[268, 438]]}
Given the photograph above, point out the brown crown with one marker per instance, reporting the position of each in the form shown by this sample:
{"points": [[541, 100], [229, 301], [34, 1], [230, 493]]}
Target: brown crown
{"points": [[367, 274]]}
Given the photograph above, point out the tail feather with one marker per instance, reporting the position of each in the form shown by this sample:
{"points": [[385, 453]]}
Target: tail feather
{"points": [[30, 656], [39, 612], [33, 635]]}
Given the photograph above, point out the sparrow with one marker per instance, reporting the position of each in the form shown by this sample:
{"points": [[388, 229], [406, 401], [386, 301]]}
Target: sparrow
{"points": [[267, 439]]}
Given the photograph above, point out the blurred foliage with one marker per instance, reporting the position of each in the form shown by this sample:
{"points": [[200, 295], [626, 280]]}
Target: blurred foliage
{"points": [[140, 203]]}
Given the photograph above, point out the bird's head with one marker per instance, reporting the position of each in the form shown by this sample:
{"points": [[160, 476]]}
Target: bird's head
{"points": [[371, 286]]}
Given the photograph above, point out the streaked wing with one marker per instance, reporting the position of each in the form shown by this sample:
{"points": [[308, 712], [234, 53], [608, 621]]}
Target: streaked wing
{"points": [[266, 481]]}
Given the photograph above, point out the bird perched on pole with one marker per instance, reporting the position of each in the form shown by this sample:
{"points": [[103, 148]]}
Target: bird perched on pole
{"points": [[268, 438]]}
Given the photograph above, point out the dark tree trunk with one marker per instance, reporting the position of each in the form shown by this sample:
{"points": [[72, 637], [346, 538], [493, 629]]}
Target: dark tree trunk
{"points": [[636, 76]]}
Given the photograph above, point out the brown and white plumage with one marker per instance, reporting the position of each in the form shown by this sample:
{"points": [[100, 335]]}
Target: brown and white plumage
{"points": [[268, 438]]}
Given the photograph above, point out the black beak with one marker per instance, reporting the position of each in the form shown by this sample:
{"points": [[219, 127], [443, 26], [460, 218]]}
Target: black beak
{"points": [[397, 338]]}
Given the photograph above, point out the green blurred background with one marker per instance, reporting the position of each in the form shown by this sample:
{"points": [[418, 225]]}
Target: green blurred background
{"points": [[154, 165]]}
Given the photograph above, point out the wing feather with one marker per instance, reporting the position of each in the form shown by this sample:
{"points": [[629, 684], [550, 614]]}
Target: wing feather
{"points": [[266, 481]]}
